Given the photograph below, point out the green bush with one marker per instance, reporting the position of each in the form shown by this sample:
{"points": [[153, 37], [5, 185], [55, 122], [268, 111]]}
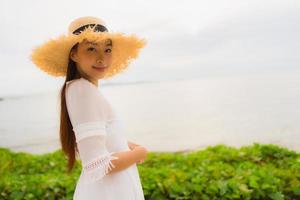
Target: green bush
{"points": [[259, 171]]}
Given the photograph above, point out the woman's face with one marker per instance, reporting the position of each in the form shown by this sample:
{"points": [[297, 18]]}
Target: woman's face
{"points": [[93, 59]]}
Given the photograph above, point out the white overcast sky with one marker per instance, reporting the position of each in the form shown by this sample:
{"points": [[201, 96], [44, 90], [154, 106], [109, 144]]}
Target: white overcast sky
{"points": [[186, 39]]}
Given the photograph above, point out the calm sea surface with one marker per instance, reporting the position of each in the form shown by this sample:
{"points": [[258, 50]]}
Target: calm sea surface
{"points": [[173, 115]]}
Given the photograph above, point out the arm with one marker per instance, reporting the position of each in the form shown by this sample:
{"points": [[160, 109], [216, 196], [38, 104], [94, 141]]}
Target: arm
{"points": [[127, 158]]}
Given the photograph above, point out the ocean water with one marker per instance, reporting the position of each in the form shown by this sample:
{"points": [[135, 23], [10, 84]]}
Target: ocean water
{"points": [[173, 115]]}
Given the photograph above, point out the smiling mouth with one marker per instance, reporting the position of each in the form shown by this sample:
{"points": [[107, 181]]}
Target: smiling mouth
{"points": [[99, 68]]}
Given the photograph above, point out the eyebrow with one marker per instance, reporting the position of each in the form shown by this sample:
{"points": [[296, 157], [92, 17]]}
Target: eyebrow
{"points": [[93, 43]]}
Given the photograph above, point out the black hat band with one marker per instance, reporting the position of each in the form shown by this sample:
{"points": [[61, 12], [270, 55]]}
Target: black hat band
{"points": [[98, 28]]}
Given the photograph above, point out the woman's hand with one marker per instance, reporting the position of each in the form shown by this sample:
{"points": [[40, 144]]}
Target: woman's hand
{"points": [[142, 152], [132, 146]]}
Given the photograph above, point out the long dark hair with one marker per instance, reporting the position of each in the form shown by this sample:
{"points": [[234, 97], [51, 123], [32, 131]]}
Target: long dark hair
{"points": [[67, 136]]}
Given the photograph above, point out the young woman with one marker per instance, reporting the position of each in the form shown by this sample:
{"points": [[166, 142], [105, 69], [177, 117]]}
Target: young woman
{"points": [[89, 126]]}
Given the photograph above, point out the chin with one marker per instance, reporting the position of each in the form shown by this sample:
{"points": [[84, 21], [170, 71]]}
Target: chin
{"points": [[100, 75]]}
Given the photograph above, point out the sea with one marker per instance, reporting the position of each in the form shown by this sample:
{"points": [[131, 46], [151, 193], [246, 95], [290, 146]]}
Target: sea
{"points": [[172, 115]]}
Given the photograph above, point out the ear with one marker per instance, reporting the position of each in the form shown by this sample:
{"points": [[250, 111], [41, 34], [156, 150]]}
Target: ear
{"points": [[73, 56]]}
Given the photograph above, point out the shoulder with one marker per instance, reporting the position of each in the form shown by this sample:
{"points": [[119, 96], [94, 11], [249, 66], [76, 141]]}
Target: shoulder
{"points": [[81, 88], [79, 83]]}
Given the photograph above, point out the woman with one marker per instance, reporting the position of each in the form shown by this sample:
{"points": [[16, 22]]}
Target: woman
{"points": [[89, 126]]}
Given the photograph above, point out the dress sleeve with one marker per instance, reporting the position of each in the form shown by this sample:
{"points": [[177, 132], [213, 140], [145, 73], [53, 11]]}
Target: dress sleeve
{"points": [[87, 115]]}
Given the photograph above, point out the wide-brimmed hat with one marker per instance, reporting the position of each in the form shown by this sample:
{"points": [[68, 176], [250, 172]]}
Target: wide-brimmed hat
{"points": [[52, 57]]}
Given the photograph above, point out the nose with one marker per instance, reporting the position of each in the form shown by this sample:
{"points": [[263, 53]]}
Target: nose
{"points": [[100, 63]]}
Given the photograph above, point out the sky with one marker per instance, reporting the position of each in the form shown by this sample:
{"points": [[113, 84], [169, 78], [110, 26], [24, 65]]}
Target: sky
{"points": [[185, 39]]}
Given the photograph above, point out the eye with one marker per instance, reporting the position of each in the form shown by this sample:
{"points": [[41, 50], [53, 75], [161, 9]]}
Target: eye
{"points": [[91, 49], [108, 50]]}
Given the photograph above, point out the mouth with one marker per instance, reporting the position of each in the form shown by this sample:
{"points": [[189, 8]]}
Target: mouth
{"points": [[99, 67]]}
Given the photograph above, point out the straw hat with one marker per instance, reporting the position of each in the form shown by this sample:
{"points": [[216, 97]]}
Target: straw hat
{"points": [[52, 57]]}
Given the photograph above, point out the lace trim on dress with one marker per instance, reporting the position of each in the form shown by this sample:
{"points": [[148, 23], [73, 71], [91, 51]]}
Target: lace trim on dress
{"points": [[99, 167]]}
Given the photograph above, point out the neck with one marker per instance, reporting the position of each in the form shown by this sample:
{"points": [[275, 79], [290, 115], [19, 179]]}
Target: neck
{"points": [[95, 82]]}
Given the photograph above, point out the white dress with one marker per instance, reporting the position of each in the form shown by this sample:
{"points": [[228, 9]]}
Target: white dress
{"points": [[99, 133]]}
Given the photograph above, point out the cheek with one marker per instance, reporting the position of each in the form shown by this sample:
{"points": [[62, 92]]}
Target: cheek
{"points": [[87, 59], [109, 59]]}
